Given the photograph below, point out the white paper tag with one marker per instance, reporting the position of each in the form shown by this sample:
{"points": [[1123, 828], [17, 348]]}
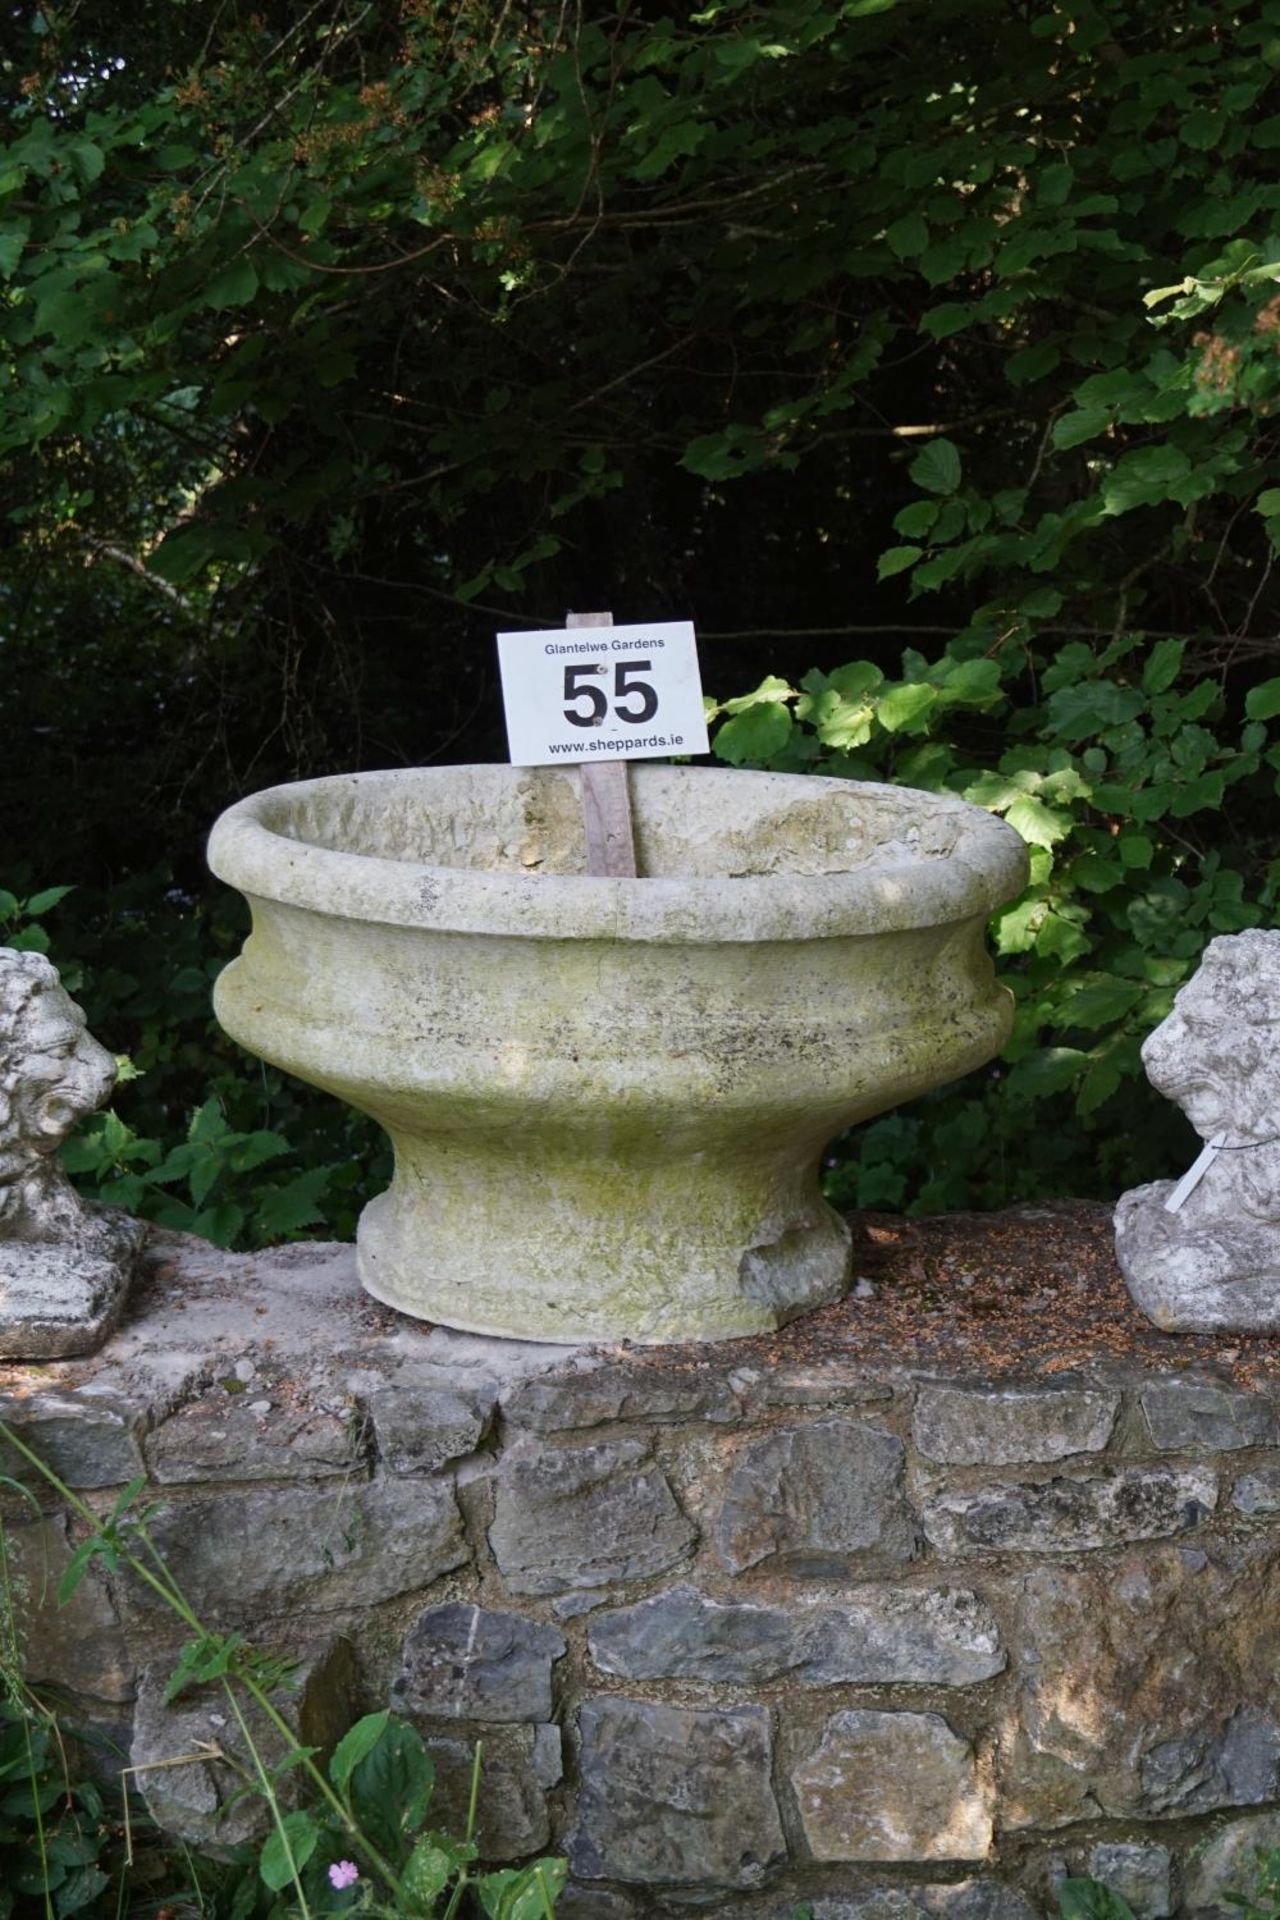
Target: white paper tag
{"points": [[608, 693], [1195, 1173]]}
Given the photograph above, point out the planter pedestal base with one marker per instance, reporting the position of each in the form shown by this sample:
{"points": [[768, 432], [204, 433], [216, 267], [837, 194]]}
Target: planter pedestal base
{"points": [[530, 1246]]}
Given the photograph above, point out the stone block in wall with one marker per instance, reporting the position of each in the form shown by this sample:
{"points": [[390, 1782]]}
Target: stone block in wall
{"points": [[1146, 1689], [228, 1439], [868, 1636], [79, 1646], [1140, 1873], [822, 1498], [1257, 1492], [567, 1517], [239, 1556], [1007, 1426], [675, 1796], [892, 1787], [418, 1429], [961, 1900], [1227, 1863], [641, 1391], [194, 1799], [470, 1663], [1071, 1514], [594, 1903], [519, 1767], [88, 1439], [1200, 1416]]}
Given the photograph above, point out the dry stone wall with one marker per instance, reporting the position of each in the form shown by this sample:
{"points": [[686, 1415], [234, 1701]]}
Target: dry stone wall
{"points": [[739, 1626]]}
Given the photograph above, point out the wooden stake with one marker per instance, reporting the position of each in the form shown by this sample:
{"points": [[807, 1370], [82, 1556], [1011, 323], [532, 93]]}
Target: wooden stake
{"points": [[606, 798]]}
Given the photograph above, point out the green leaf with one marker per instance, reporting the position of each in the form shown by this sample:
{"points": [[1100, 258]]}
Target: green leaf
{"points": [[937, 467], [1054, 183], [915, 520], [1032, 363], [390, 1787], [287, 1849], [80, 1887], [1136, 850], [314, 215], [1094, 874], [426, 1874], [755, 736], [1039, 825], [896, 560], [284, 1211], [908, 237], [859, 677], [1090, 1900], [1263, 702], [1073, 429], [1163, 665], [1144, 478], [209, 1658], [76, 1568], [1101, 1002], [14, 234], [523, 1893], [88, 160], [355, 1745], [42, 902], [901, 708], [1049, 1070], [770, 690], [233, 286]]}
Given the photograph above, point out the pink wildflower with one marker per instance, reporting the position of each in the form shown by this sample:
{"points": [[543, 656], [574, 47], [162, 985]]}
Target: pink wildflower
{"points": [[343, 1873]]}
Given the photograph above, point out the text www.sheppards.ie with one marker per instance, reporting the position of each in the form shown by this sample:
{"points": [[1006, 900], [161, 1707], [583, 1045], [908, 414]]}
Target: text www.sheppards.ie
{"points": [[576, 748]]}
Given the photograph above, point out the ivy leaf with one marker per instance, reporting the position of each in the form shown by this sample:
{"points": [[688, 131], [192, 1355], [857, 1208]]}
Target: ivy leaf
{"points": [[937, 467]]}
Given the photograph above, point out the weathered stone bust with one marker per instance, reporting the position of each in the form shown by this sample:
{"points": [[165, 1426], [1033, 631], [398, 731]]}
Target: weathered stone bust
{"points": [[64, 1265], [1204, 1252]]}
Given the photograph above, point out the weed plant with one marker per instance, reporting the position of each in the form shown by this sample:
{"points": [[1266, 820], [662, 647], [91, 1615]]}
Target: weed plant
{"points": [[359, 1844]]}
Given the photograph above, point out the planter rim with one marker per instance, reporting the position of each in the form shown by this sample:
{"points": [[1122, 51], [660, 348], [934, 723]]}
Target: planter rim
{"points": [[987, 867]]}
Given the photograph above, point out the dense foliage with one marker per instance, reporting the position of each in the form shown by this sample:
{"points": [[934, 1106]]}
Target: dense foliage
{"points": [[943, 334]]}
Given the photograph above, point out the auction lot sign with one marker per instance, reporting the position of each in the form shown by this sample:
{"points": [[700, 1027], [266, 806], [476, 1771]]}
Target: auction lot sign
{"points": [[573, 694]]}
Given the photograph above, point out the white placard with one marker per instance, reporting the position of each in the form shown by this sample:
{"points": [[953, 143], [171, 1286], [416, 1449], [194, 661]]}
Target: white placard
{"points": [[576, 694]]}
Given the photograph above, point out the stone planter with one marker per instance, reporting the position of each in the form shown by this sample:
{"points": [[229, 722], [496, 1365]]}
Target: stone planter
{"points": [[608, 1098]]}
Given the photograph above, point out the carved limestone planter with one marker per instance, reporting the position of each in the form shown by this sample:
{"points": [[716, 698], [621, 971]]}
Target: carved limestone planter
{"points": [[608, 1098]]}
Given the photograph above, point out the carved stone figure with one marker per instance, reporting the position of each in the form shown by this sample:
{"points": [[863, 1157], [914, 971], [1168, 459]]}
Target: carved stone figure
{"points": [[1204, 1252], [64, 1265]]}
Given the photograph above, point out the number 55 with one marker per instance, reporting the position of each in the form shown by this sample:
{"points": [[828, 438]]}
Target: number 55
{"points": [[624, 684]]}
